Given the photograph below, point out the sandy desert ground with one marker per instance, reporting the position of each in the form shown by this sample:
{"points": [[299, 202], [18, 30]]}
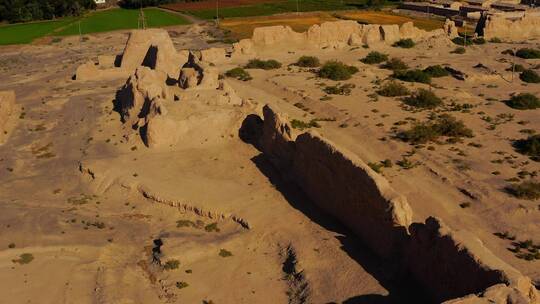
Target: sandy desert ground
{"points": [[93, 206]]}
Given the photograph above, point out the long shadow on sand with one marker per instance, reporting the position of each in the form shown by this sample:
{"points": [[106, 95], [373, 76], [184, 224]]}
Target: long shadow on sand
{"points": [[385, 272]]}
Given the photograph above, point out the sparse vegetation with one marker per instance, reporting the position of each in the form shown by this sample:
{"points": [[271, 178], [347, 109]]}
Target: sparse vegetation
{"points": [[344, 89], [225, 253], [395, 64], [529, 190], [495, 40], [308, 62], [462, 41], [24, 258], [181, 285], [171, 264], [529, 76], [302, 125], [523, 101], [393, 89], [374, 58], [529, 146], [423, 98], [213, 227], [479, 40], [528, 53], [336, 70], [459, 50], [404, 43], [187, 223], [412, 76], [444, 125], [238, 73], [436, 71], [263, 64]]}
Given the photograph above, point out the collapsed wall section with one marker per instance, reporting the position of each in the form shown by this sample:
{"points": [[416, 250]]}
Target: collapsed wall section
{"points": [[447, 264], [509, 27], [7, 114]]}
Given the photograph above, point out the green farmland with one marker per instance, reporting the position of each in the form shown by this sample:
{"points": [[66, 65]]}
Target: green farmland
{"points": [[94, 22], [270, 8]]}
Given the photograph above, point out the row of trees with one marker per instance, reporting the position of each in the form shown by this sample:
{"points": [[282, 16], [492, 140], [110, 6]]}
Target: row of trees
{"points": [[138, 3], [30, 10]]}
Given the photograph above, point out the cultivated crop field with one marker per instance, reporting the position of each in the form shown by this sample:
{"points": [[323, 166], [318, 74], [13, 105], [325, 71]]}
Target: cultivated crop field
{"points": [[27, 32]]}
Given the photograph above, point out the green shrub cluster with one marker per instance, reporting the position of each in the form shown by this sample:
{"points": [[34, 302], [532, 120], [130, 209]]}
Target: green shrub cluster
{"points": [[524, 101], [529, 146], [404, 43], [412, 76], [238, 73], [344, 89], [423, 98], [462, 41], [302, 125], [517, 68], [336, 70], [263, 64], [526, 190], [444, 125], [529, 76], [528, 53], [458, 50], [308, 62], [436, 71], [374, 58], [393, 89], [395, 64]]}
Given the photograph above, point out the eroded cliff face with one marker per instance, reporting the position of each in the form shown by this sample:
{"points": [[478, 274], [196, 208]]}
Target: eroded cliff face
{"points": [[447, 264], [511, 29]]}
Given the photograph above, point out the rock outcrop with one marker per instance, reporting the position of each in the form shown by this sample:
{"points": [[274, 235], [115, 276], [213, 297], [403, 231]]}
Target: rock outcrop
{"points": [[8, 112], [511, 29], [450, 29], [450, 265]]}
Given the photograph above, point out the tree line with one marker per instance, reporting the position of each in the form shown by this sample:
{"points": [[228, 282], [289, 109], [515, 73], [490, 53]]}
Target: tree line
{"points": [[31, 10], [139, 3]]}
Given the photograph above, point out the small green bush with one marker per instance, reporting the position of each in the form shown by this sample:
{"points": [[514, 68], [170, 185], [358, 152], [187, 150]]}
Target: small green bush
{"points": [[423, 98], [393, 89], [529, 76], [225, 253], [171, 265], [517, 68], [523, 101], [495, 40], [374, 58], [24, 258], [479, 40], [404, 43], [302, 125], [238, 73], [336, 70], [412, 76], [458, 50], [344, 89], [444, 125], [528, 53], [263, 64], [181, 285], [308, 62], [436, 71], [462, 41], [526, 190], [395, 64], [529, 146]]}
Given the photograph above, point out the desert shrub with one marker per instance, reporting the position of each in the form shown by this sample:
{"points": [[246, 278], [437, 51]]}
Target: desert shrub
{"points": [[523, 101], [444, 125], [171, 265], [336, 70], [344, 89], [479, 40], [423, 98], [458, 50], [308, 62], [528, 53], [462, 41], [526, 190], [495, 40], [529, 146], [24, 258], [238, 73], [212, 227], [395, 64], [374, 58], [225, 253], [517, 68], [412, 76], [529, 76], [181, 285], [263, 64], [436, 71], [393, 89], [301, 125], [404, 43]]}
